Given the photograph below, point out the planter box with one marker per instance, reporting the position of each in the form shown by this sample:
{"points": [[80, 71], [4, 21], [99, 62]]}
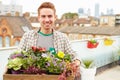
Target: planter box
{"points": [[8, 76], [32, 77]]}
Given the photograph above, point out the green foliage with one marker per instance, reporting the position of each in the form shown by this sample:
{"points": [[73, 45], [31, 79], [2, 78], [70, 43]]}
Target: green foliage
{"points": [[15, 63], [87, 63], [36, 60], [69, 15], [93, 41]]}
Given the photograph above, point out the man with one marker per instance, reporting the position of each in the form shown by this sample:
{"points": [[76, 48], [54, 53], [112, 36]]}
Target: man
{"points": [[46, 36]]}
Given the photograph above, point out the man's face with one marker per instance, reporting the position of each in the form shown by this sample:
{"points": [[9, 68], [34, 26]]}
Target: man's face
{"points": [[46, 18]]}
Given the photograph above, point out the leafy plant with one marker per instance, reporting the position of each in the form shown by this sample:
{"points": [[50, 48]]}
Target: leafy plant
{"points": [[38, 61], [87, 63], [93, 41]]}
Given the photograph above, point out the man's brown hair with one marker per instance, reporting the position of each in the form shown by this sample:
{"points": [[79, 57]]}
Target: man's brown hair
{"points": [[46, 5]]}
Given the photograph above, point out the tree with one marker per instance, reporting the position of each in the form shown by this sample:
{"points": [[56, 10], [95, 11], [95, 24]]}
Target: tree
{"points": [[69, 15]]}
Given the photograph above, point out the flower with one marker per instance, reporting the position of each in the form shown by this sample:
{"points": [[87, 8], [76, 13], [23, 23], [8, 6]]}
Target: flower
{"points": [[38, 61], [61, 54]]}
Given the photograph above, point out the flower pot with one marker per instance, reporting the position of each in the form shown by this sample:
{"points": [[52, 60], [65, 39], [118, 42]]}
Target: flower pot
{"points": [[108, 42], [92, 45], [87, 73]]}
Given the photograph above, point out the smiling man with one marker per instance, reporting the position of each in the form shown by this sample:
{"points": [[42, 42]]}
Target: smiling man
{"points": [[46, 36]]}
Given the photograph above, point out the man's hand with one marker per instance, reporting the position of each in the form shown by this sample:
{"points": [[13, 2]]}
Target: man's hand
{"points": [[76, 68], [77, 62]]}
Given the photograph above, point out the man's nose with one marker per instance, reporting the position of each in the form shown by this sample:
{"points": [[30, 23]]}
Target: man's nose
{"points": [[46, 19]]}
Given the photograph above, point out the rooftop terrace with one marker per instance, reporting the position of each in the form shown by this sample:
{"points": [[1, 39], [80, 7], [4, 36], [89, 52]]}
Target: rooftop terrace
{"points": [[82, 52]]}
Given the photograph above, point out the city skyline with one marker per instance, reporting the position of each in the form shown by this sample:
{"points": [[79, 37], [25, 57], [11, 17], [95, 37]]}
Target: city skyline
{"points": [[64, 6]]}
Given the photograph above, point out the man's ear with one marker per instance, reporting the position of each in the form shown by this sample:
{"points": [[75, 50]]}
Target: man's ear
{"points": [[38, 18], [56, 17]]}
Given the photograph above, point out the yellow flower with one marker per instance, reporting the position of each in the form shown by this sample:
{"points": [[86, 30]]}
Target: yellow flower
{"points": [[60, 54], [48, 58]]}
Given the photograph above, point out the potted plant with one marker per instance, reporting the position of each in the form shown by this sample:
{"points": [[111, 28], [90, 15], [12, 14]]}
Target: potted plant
{"points": [[87, 69], [92, 43], [108, 41]]}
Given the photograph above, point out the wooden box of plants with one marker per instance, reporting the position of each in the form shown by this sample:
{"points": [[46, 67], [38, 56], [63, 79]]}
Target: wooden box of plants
{"points": [[37, 64], [33, 77]]}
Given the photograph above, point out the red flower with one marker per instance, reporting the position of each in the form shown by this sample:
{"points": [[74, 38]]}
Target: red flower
{"points": [[42, 49], [35, 48]]}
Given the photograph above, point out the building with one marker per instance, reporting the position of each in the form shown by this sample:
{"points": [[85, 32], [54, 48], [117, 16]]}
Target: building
{"points": [[12, 29], [107, 20], [97, 10], [83, 33], [81, 11], [89, 12], [12, 9], [110, 11], [117, 19]]}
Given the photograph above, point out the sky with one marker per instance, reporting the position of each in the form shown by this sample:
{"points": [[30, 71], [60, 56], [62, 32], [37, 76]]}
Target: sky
{"points": [[63, 6]]}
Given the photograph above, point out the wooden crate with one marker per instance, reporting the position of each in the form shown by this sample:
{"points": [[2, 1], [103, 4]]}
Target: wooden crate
{"points": [[32, 77]]}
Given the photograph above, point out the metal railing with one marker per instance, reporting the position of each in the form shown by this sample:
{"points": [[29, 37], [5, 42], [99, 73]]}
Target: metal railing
{"points": [[6, 51]]}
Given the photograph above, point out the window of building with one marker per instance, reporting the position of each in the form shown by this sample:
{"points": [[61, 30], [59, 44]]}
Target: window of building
{"points": [[90, 36], [0, 41], [71, 37], [17, 42], [7, 41], [75, 36], [84, 37], [104, 20]]}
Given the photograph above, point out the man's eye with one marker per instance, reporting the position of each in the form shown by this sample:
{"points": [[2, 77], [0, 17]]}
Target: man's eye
{"points": [[43, 16], [50, 16]]}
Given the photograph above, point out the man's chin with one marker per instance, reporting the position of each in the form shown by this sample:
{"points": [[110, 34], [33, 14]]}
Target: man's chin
{"points": [[47, 28]]}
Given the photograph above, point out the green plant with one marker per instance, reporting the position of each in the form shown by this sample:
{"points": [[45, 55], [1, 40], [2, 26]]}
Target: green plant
{"points": [[38, 61], [87, 63]]}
